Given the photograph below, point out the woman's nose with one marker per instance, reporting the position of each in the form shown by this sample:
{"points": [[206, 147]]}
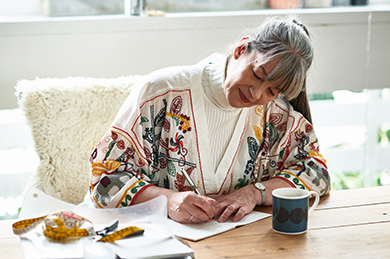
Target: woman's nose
{"points": [[256, 91]]}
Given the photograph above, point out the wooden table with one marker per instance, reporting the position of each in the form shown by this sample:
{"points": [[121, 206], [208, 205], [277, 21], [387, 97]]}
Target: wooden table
{"points": [[347, 224]]}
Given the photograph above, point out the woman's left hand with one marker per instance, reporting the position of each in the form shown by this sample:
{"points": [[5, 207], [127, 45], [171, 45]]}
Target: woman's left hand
{"points": [[239, 203]]}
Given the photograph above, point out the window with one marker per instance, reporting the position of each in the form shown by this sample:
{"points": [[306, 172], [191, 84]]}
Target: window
{"points": [[102, 7], [18, 161], [353, 138]]}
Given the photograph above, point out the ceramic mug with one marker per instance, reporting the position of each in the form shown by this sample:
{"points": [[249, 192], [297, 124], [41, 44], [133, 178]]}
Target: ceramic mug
{"points": [[290, 210]]}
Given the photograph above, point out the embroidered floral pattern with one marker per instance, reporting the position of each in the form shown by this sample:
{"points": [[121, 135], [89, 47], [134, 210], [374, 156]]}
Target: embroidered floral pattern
{"points": [[297, 156], [161, 153], [180, 182], [107, 167], [154, 142]]}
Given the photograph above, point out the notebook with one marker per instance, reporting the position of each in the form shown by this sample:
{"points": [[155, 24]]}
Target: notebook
{"points": [[200, 231]]}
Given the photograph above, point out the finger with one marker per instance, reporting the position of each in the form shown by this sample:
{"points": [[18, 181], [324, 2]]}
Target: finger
{"points": [[193, 204], [185, 217], [240, 214], [212, 202], [212, 205], [200, 214], [195, 220], [220, 207], [190, 219], [178, 215], [206, 207], [189, 214], [229, 210]]}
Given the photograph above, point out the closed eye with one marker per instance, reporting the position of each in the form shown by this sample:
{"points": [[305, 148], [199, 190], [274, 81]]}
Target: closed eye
{"points": [[271, 92], [258, 77]]}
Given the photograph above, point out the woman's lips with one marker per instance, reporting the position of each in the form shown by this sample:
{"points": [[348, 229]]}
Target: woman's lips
{"points": [[242, 96]]}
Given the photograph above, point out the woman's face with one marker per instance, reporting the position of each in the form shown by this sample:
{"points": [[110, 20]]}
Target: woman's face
{"points": [[245, 83]]}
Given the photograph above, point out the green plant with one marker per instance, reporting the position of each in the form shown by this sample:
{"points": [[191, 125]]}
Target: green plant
{"points": [[347, 180], [384, 135], [352, 180]]}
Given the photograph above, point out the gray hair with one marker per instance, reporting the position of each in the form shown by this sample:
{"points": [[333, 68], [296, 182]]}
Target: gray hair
{"points": [[287, 40]]}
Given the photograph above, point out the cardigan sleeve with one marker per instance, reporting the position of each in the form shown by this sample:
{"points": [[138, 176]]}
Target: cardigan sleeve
{"points": [[121, 163], [292, 150], [145, 144], [116, 180]]}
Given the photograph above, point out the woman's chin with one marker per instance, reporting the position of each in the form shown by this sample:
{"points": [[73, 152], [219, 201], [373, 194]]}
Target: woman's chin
{"points": [[238, 105]]}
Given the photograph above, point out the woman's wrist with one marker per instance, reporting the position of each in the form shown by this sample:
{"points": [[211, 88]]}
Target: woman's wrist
{"points": [[261, 193], [151, 193], [270, 185]]}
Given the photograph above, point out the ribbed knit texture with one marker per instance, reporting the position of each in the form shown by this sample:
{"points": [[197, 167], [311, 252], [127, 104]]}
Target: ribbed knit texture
{"points": [[221, 117]]}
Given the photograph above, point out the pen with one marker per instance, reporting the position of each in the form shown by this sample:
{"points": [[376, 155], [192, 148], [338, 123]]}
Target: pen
{"points": [[189, 180]]}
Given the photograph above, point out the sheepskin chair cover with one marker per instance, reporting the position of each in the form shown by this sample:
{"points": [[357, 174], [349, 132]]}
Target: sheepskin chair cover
{"points": [[68, 117]]}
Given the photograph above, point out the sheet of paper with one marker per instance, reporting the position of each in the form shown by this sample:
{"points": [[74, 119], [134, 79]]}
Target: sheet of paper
{"points": [[38, 203], [251, 217], [157, 240], [38, 246], [151, 245], [200, 231]]}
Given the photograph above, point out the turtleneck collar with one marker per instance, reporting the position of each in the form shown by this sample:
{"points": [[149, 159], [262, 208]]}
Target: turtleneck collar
{"points": [[213, 81]]}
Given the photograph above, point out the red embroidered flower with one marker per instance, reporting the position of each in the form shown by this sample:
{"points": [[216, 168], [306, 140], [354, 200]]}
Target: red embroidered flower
{"points": [[130, 152], [176, 105], [300, 136], [275, 118], [114, 135], [163, 163], [308, 128], [93, 155], [167, 125], [121, 144]]}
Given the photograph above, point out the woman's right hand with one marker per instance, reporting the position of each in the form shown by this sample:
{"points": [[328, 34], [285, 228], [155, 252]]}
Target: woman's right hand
{"points": [[189, 207], [182, 206]]}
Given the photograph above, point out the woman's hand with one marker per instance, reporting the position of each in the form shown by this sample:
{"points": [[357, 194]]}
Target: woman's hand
{"points": [[239, 203], [189, 207]]}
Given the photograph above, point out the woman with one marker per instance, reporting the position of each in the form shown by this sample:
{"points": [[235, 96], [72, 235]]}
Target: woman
{"points": [[238, 125]]}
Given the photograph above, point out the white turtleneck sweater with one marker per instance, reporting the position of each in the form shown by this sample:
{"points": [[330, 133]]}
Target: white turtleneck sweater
{"points": [[221, 117]]}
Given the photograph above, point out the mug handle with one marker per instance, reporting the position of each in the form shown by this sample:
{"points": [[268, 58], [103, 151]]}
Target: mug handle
{"points": [[316, 201]]}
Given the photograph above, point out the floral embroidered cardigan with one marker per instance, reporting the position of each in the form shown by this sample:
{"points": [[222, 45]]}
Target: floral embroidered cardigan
{"points": [[161, 129]]}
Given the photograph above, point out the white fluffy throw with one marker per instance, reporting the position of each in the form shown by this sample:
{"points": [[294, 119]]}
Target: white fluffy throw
{"points": [[67, 118]]}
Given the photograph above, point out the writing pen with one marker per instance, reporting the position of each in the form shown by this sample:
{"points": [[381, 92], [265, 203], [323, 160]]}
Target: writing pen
{"points": [[189, 180], [192, 184]]}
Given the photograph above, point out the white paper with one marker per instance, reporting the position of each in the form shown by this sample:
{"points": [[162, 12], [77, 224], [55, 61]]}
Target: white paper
{"points": [[36, 245], [38, 204], [157, 240], [200, 231], [151, 244]]}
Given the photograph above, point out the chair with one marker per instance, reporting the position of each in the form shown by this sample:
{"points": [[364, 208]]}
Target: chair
{"points": [[67, 118]]}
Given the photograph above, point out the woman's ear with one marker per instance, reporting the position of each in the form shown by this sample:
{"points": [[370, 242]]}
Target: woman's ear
{"points": [[241, 47]]}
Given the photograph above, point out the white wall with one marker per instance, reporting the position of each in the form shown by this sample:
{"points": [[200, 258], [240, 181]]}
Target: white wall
{"points": [[119, 45], [20, 7]]}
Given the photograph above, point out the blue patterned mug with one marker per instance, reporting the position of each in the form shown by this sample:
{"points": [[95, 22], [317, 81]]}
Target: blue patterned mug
{"points": [[290, 210]]}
